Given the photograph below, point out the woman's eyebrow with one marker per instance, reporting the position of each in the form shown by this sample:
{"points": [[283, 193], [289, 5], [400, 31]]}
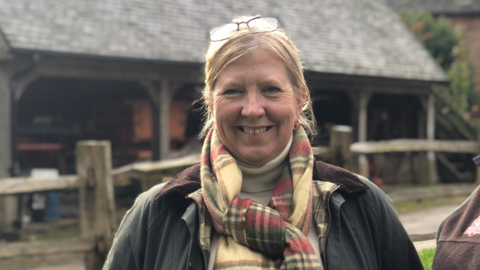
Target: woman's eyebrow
{"points": [[272, 82], [230, 84]]}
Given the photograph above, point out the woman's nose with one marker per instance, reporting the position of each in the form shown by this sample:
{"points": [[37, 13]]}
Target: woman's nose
{"points": [[253, 106]]}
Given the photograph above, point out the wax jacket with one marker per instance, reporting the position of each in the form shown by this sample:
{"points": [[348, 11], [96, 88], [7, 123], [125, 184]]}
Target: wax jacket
{"points": [[364, 232]]}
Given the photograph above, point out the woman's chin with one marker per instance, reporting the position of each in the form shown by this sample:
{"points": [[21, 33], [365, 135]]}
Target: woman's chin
{"points": [[256, 158]]}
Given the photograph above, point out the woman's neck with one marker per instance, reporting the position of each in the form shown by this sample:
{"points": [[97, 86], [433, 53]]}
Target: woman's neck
{"points": [[265, 177]]}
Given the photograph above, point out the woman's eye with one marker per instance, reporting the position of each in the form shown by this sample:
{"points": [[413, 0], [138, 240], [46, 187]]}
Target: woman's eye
{"points": [[271, 90], [231, 92]]}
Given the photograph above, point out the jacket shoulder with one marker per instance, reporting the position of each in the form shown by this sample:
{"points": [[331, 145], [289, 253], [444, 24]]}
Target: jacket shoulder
{"points": [[378, 228], [348, 181], [184, 183], [130, 238]]}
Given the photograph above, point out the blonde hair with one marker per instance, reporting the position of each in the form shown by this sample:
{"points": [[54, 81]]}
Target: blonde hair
{"points": [[222, 53]]}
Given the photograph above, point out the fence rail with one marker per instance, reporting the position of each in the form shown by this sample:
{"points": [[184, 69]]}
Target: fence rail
{"points": [[415, 145], [19, 185], [73, 245]]}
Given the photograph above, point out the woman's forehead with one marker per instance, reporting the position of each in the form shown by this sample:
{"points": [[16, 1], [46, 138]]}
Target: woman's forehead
{"points": [[262, 64]]}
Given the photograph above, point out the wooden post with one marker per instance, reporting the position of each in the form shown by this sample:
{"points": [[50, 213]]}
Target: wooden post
{"points": [[97, 206], [164, 118], [340, 141], [362, 131], [161, 97], [421, 121], [432, 161], [8, 204]]}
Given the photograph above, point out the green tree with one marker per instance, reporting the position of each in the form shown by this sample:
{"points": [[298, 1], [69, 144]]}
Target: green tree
{"points": [[461, 80], [444, 43]]}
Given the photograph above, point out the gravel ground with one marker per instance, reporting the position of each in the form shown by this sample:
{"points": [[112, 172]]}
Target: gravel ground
{"points": [[425, 221]]}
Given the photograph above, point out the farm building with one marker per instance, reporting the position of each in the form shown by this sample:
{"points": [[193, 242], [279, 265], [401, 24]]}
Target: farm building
{"points": [[128, 71]]}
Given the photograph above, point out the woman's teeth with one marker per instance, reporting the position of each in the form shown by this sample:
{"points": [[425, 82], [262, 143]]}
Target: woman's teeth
{"points": [[254, 131]]}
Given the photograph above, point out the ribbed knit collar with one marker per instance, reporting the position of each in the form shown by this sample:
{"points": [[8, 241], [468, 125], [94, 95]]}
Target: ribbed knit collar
{"points": [[265, 177]]}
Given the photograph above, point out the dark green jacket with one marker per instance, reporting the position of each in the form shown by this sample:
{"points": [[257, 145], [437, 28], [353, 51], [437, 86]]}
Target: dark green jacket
{"points": [[160, 230]]}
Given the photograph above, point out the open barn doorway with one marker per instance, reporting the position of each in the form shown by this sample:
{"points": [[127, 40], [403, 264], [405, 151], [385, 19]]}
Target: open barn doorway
{"points": [[395, 117], [331, 108], [54, 113]]}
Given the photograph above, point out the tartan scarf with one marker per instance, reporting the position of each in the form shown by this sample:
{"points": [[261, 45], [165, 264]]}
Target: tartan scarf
{"points": [[254, 236]]}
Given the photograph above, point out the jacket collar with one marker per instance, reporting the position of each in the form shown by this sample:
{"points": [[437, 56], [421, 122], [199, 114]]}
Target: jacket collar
{"points": [[188, 181]]}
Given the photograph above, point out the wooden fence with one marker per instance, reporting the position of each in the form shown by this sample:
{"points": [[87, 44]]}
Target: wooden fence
{"points": [[418, 145], [95, 181], [96, 200]]}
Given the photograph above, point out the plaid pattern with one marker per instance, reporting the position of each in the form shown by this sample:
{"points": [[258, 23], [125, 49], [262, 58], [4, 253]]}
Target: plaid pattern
{"points": [[322, 192], [256, 236]]}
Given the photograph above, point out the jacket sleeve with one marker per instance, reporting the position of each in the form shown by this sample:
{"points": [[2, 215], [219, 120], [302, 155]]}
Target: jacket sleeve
{"points": [[396, 249], [128, 249]]}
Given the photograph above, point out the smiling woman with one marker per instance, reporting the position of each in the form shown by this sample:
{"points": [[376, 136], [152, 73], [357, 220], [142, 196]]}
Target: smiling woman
{"points": [[258, 199], [255, 108]]}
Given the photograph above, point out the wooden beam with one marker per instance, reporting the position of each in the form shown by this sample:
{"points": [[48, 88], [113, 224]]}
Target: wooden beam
{"points": [[362, 115], [377, 85], [24, 82], [19, 185], [363, 167], [321, 152], [114, 70], [431, 159], [431, 117], [4, 49], [151, 171], [97, 205], [71, 245], [151, 89], [416, 145], [8, 204], [340, 141], [164, 99]]}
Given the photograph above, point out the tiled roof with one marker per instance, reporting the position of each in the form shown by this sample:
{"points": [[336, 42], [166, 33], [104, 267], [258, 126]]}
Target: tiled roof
{"points": [[438, 6], [358, 37]]}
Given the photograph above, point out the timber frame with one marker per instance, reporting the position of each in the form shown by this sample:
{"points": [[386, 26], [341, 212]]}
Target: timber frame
{"points": [[360, 89], [160, 81]]}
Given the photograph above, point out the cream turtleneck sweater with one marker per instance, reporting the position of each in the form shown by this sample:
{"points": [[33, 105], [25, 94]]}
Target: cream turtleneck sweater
{"points": [[258, 184]]}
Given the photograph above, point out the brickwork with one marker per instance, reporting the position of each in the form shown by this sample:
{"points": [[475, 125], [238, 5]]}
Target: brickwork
{"points": [[472, 38]]}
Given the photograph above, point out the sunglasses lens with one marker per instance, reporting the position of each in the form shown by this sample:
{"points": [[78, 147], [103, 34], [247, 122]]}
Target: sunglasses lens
{"points": [[223, 32], [263, 25]]}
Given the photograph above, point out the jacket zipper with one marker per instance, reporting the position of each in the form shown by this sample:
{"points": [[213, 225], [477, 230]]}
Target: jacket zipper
{"points": [[198, 235], [328, 226]]}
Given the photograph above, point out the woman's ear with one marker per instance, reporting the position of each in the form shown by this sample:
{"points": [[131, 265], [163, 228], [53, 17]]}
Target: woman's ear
{"points": [[210, 108], [301, 101], [209, 104]]}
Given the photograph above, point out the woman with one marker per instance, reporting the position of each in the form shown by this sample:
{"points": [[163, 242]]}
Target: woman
{"points": [[258, 199]]}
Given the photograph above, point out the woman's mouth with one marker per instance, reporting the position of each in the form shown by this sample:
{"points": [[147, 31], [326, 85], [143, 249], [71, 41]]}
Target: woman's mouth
{"points": [[254, 131]]}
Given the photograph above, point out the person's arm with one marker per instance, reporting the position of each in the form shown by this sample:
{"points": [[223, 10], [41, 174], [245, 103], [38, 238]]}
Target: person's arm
{"points": [[128, 249], [396, 247]]}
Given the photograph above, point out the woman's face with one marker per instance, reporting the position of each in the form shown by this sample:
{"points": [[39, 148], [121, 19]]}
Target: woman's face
{"points": [[255, 108]]}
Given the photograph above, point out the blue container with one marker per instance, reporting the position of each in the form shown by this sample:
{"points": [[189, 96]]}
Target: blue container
{"points": [[52, 207]]}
